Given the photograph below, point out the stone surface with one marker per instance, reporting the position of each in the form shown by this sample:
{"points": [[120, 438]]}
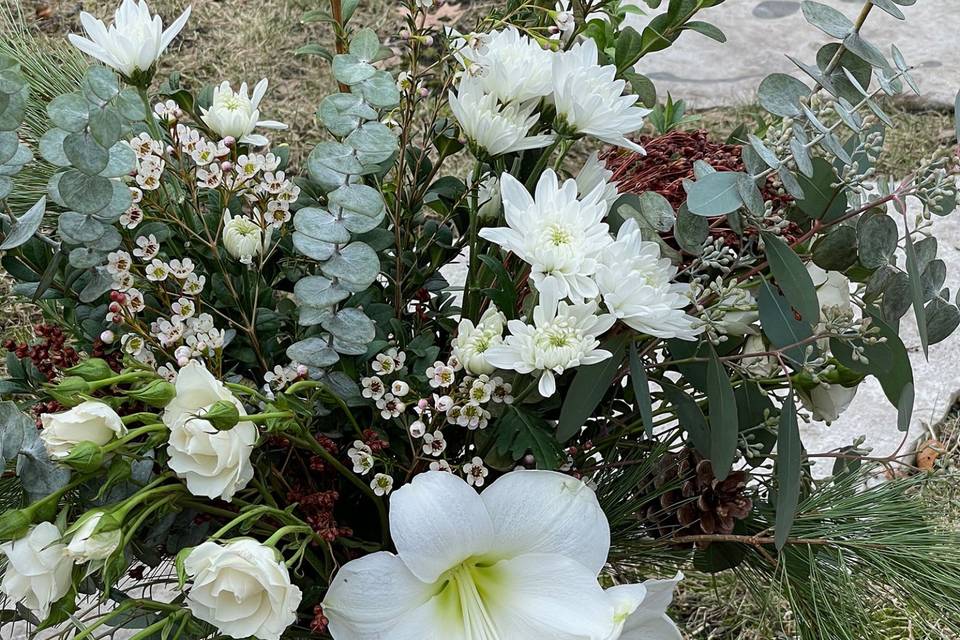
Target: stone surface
{"points": [[759, 33]]}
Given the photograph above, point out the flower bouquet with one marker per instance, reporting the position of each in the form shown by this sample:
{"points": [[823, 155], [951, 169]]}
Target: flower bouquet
{"points": [[464, 370]]}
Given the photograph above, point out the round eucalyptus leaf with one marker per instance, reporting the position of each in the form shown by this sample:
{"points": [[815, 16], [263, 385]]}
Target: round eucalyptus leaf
{"points": [[356, 265], [6, 186], [312, 316], [84, 193], [324, 176], [11, 81], [120, 201], [99, 284], [14, 110], [365, 45], [854, 64], [341, 113], [351, 325], [79, 228], [130, 105], [321, 225], [781, 94], [827, 19], [358, 199], [122, 161], [70, 112], [9, 144], [348, 348], [106, 126], [51, 147], [22, 156], [109, 241], [715, 194], [374, 142], [320, 292], [379, 91], [313, 352], [84, 258], [837, 250], [896, 296], [877, 236], [942, 320], [101, 83], [350, 69], [53, 189], [334, 155], [85, 153], [933, 278], [312, 247], [691, 231]]}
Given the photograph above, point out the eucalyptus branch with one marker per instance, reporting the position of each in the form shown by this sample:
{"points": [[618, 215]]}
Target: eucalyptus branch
{"points": [[838, 56]]}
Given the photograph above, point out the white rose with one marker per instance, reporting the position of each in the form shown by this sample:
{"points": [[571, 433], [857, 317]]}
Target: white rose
{"points": [[242, 589], [833, 288], [826, 403], [88, 421], [759, 366], [242, 237], [741, 314], [214, 464], [38, 569], [472, 342], [85, 545]]}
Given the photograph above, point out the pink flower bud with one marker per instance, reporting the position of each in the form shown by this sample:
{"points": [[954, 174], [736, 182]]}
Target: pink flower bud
{"points": [[229, 141], [107, 336]]}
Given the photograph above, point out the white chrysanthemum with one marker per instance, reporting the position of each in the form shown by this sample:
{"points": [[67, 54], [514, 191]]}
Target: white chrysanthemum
{"points": [[472, 342], [494, 127], [589, 98], [133, 42], [594, 173], [236, 114], [559, 236], [562, 337], [242, 237], [510, 66], [636, 286]]}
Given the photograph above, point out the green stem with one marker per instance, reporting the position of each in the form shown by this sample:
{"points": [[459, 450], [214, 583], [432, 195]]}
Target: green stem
{"points": [[152, 125], [263, 417], [282, 532], [121, 379]]}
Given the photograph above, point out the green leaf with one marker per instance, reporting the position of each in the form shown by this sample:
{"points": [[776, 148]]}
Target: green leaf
{"points": [[827, 19], [350, 69], [84, 193], [317, 291], [877, 236], [589, 387], [690, 417], [768, 156], [650, 209], [707, 29], [628, 47], [356, 265], [321, 225], [724, 423], [85, 153], [361, 207], [379, 91], [25, 227], [9, 145], [51, 147], [715, 194], [314, 50], [374, 142], [313, 352], [691, 231], [942, 320], [342, 113], [916, 292], [781, 95], [889, 7], [365, 45], [519, 432], [351, 325], [821, 200], [837, 250], [789, 470], [641, 390], [69, 111], [791, 276], [780, 323]]}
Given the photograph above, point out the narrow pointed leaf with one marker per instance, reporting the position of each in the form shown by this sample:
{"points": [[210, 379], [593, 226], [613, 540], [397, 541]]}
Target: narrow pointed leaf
{"points": [[641, 389], [724, 422], [789, 467]]}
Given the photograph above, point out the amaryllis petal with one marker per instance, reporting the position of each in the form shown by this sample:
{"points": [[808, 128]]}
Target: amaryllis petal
{"points": [[548, 512]]}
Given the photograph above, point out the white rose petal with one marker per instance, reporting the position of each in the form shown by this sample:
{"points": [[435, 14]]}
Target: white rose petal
{"points": [[38, 569], [88, 421]]}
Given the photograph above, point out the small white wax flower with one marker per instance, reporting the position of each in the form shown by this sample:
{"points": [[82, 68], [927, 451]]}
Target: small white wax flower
{"points": [[475, 472], [440, 375], [434, 443], [417, 429], [399, 388], [441, 465], [135, 40], [236, 113], [390, 406], [382, 484], [373, 387], [242, 237]]}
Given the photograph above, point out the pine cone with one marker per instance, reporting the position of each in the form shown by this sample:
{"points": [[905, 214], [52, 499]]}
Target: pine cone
{"points": [[689, 500]]}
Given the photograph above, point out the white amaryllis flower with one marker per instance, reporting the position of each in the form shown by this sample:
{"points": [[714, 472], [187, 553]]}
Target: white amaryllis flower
{"points": [[519, 560], [135, 40], [242, 588], [636, 286], [560, 236], [495, 128], [242, 237], [214, 464], [473, 341], [589, 98], [237, 114], [591, 175], [86, 543], [561, 337], [91, 421], [512, 67], [38, 570]]}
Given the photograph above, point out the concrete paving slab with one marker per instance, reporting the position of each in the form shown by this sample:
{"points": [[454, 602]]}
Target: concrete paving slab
{"points": [[759, 33]]}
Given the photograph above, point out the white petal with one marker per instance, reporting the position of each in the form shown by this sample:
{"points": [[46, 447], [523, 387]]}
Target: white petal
{"points": [[436, 522], [546, 596], [650, 620], [174, 29], [370, 596], [547, 385], [548, 512], [514, 193]]}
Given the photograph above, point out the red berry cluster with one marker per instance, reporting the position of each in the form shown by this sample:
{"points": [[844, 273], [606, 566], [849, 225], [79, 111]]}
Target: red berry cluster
{"points": [[50, 354], [318, 506], [373, 440], [111, 355], [40, 408], [320, 622], [117, 298], [318, 463]]}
